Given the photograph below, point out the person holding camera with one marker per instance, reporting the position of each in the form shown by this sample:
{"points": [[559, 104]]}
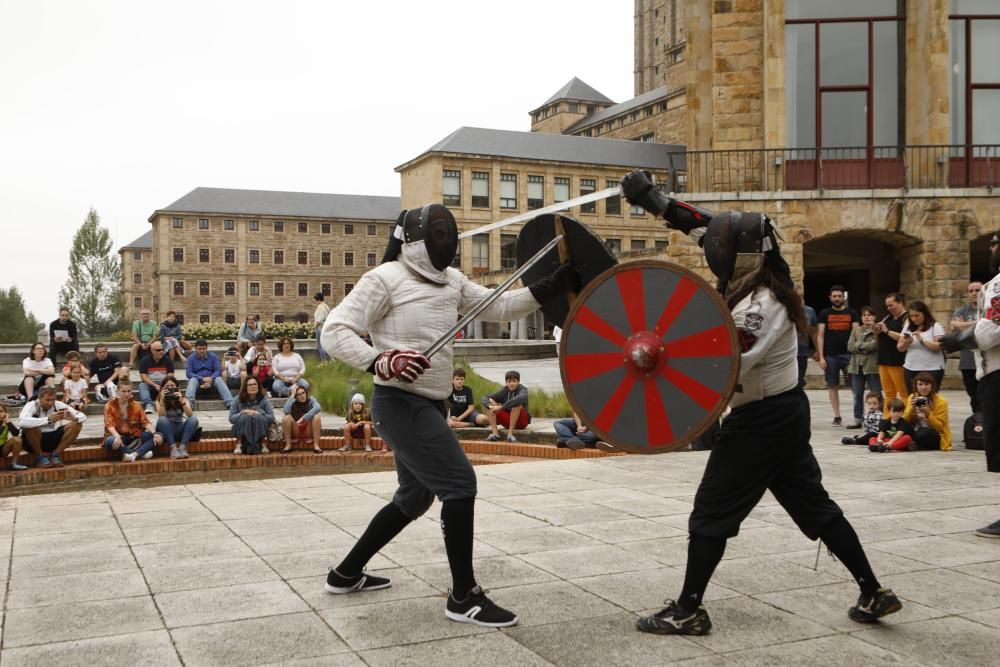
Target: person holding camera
{"points": [[175, 418], [927, 412], [921, 341], [234, 370]]}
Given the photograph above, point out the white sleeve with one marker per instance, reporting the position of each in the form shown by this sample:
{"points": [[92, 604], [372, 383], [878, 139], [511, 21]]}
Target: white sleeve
{"points": [[512, 304], [77, 415], [367, 303], [759, 323], [988, 326]]}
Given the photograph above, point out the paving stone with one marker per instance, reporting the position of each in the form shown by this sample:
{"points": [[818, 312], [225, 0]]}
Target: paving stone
{"points": [[79, 620], [674, 550], [536, 501], [822, 652], [46, 565], [419, 552], [183, 576], [990, 617], [67, 543], [186, 551], [497, 572], [317, 563], [741, 623], [989, 571], [29, 515], [562, 516], [882, 563], [946, 642], [75, 498], [60, 524], [141, 504], [404, 586], [536, 539], [763, 574], [504, 520], [228, 603], [265, 523], [551, 602], [329, 538], [79, 587], [421, 529], [570, 484], [353, 514], [238, 486], [939, 551], [275, 639], [639, 591], [588, 561], [150, 649], [628, 530], [494, 649], [946, 590], [236, 510], [772, 540], [198, 514], [932, 523], [208, 532]]}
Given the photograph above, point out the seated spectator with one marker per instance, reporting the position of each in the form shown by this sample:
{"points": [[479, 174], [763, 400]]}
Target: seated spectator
{"points": [[75, 388], [248, 333], [144, 332], [106, 370], [205, 372], [574, 434], [172, 338], [894, 432], [870, 422], [359, 426], [128, 431], [73, 357], [287, 367], [258, 363], [63, 335], [927, 412], [921, 341], [38, 372], [508, 407], [176, 423], [234, 370], [153, 368], [301, 421], [42, 428], [10, 441], [251, 415], [461, 406]]}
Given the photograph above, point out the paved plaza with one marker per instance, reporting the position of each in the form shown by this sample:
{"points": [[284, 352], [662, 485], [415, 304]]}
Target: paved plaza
{"points": [[232, 573]]}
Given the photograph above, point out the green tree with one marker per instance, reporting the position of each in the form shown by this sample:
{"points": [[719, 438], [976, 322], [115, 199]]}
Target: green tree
{"points": [[93, 291], [19, 326]]}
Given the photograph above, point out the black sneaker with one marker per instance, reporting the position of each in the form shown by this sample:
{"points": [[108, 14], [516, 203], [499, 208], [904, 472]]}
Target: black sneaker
{"points": [[339, 585], [847, 440], [478, 609], [675, 620], [878, 448], [992, 530], [872, 607]]}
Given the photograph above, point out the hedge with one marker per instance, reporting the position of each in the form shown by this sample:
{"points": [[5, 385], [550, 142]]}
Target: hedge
{"points": [[222, 331]]}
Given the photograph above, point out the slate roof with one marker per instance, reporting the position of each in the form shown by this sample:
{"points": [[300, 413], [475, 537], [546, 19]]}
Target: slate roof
{"points": [[599, 117], [290, 204], [575, 89], [144, 241]]}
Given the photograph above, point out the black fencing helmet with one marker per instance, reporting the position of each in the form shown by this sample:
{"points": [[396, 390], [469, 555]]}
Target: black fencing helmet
{"points": [[731, 233], [435, 226]]}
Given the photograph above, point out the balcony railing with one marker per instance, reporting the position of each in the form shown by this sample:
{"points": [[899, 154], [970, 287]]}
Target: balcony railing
{"points": [[872, 167]]}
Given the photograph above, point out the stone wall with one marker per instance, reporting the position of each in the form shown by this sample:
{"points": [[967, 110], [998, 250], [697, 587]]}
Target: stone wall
{"points": [[137, 295]]}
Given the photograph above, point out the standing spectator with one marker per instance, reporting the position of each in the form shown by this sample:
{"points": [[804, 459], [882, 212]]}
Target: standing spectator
{"points": [[863, 346], [574, 434], [175, 419], [359, 424], [234, 370], [258, 363], [10, 441], [461, 406], [508, 406], [248, 333], [38, 371], [302, 420], [834, 330], [890, 359], [807, 340], [106, 370], [128, 430], [152, 370], [75, 388], [204, 372], [251, 415], [63, 335], [287, 367], [319, 317], [144, 331], [42, 428], [965, 318], [921, 341], [172, 338], [927, 412]]}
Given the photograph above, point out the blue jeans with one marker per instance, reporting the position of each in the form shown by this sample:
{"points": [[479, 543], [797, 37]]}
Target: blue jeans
{"points": [[174, 431], [146, 394], [144, 443], [323, 356], [191, 391], [279, 388], [566, 430], [858, 382]]}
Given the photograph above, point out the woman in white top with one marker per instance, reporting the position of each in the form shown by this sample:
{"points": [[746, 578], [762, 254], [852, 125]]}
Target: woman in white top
{"points": [[921, 340], [288, 368], [38, 372]]}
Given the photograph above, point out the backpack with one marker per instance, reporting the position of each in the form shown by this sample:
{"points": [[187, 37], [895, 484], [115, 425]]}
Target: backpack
{"points": [[974, 431]]}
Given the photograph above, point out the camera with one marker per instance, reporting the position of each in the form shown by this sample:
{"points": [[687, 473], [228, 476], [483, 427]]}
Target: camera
{"points": [[920, 402]]}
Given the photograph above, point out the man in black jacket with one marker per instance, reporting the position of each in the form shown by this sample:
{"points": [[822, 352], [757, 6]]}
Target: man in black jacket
{"points": [[63, 335]]}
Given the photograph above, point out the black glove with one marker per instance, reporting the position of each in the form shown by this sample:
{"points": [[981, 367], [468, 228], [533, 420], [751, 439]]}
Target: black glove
{"points": [[957, 341], [563, 280], [639, 191]]}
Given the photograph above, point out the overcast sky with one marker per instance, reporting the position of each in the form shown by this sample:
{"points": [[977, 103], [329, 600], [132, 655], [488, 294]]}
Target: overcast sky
{"points": [[125, 106]]}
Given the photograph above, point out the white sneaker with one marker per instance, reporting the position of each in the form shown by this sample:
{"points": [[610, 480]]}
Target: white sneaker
{"points": [[238, 450], [148, 455], [129, 458], [265, 450], [149, 409]]}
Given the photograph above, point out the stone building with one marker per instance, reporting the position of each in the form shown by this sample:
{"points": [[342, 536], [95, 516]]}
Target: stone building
{"points": [[137, 273]]}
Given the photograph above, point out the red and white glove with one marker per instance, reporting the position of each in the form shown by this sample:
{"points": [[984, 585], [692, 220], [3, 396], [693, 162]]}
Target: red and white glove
{"points": [[406, 365]]}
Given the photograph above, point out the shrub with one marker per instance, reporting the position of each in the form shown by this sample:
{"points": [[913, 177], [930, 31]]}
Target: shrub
{"points": [[223, 331]]}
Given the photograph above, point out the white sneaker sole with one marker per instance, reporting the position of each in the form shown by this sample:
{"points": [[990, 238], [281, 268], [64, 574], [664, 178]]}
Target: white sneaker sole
{"points": [[340, 590], [461, 618]]}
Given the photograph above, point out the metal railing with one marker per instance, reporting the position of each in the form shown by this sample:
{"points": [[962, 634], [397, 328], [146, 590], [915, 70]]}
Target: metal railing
{"points": [[863, 167]]}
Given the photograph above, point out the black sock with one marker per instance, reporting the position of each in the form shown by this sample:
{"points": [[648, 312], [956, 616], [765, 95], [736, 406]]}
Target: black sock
{"points": [[840, 538], [704, 553], [384, 526], [457, 519]]}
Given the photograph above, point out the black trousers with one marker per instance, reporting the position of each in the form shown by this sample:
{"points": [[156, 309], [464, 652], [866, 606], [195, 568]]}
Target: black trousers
{"points": [[971, 387], [989, 401]]}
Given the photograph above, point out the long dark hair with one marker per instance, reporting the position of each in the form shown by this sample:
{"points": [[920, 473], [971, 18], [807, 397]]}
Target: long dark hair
{"points": [[922, 308], [245, 396], [778, 281]]}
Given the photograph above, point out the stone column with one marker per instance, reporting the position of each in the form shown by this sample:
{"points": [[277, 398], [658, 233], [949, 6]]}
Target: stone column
{"points": [[699, 83], [927, 100]]}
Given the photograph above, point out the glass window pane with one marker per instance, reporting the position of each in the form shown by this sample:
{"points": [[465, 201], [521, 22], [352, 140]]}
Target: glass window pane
{"points": [[885, 87], [843, 54], [986, 50], [828, 9], [985, 111], [974, 7], [957, 87], [844, 119], [800, 85]]}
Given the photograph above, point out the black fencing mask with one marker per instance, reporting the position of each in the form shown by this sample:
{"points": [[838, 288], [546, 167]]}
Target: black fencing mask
{"points": [[732, 233], [435, 226]]}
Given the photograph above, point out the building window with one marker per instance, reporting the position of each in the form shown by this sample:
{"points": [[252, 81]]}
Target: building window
{"points": [[975, 87], [230, 288], [371, 259], [324, 228], [178, 254], [229, 225], [229, 255], [279, 256], [255, 256], [279, 289], [137, 302], [303, 228], [614, 246], [279, 226], [587, 186], [612, 205], [646, 138], [303, 289], [202, 223], [178, 223], [372, 230], [324, 258], [348, 229], [508, 190], [204, 318], [254, 289], [204, 288], [325, 288], [348, 259], [561, 190], [637, 244], [536, 191], [180, 318], [452, 188], [279, 319], [661, 244], [230, 318], [203, 255], [255, 225], [636, 210], [347, 288], [508, 259], [178, 288], [480, 253], [303, 257], [572, 107], [137, 278], [480, 189], [137, 255]]}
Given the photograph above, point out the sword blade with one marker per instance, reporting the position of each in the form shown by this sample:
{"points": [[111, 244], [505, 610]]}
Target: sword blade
{"points": [[551, 208], [485, 303]]}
